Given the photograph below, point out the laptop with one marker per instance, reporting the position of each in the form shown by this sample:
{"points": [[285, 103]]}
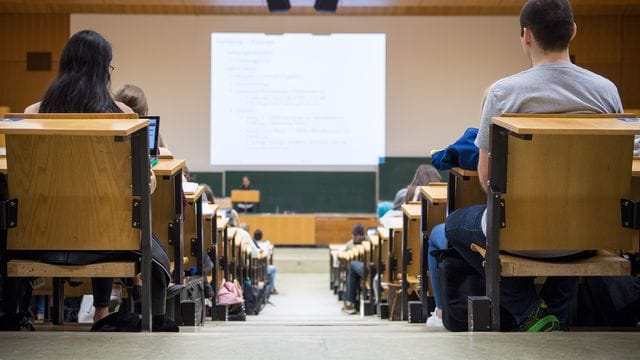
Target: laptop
{"points": [[154, 135]]}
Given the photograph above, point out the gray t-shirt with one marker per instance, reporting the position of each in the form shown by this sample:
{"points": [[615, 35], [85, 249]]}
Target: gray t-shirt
{"points": [[555, 88]]}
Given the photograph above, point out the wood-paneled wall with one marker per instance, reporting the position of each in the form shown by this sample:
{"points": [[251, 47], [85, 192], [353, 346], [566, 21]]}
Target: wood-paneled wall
{"points": [[22, 33], [609, 46]]}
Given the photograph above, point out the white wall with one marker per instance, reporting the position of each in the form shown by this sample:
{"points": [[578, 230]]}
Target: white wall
{"points": [[437, 69]]}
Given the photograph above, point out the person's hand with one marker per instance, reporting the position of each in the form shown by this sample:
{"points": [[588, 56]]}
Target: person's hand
{"points": [[152, 182]]}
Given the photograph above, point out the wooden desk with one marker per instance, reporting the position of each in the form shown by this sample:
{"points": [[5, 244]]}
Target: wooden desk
{"points": [[580, 211], [166, 204], [193, 230], [464, 189], [221, 249], [211, 238], [167, 219], [45, 156], [411, 240], [393, 237], [285, 229], [331, 228], [433, 200]]}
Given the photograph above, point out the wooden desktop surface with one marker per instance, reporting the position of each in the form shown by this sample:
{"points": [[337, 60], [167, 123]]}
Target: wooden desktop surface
{"points": [[222, 223], [71, 115], [412, 211], [166, 167], [568, 125], [435, 194], [191, 198], [96, 127]]}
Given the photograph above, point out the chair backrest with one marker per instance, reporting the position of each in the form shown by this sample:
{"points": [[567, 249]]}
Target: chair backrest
{"points": [[565, 177], [72, 177]]}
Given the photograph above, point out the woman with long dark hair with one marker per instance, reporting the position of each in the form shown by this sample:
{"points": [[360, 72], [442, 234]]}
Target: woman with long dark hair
{"points": [[84, 79], [83, 86]]}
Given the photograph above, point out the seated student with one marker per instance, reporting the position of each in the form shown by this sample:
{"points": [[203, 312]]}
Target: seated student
{"points": [[267, 247], [355, 272], [552, 85], [134, 97], [82, 86], [246, 185], [208, 194], [424, 175]]}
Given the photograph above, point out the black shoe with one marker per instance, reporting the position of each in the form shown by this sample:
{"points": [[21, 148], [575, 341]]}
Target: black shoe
{"points": [[162, 323]]}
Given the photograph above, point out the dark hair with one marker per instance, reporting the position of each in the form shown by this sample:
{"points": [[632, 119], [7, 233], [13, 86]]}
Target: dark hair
{"points": [[425, 174], [550, 21], [358, 229], [83, 81], [257, 235], [133, 97]]}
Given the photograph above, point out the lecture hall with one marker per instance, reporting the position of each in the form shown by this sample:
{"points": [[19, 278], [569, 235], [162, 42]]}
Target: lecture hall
{"points": [[320, 179]]}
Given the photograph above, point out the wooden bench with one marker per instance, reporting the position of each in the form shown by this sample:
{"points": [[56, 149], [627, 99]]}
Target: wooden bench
{"points": [[590, 158], [79, 182]]}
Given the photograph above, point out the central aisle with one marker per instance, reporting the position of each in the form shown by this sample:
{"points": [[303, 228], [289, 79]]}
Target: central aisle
{"points": [[305, 323]]}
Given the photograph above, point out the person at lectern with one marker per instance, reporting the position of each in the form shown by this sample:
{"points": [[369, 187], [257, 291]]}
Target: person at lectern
{"points": [[246, 185]]}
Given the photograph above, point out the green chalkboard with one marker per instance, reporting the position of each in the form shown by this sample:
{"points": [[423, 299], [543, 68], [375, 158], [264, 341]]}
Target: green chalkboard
{"points": [[213, 179], [396, 173], [309, 192]]}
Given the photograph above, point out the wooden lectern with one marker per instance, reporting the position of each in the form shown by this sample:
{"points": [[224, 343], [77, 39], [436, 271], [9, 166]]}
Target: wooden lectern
{"points": [[250, 198]]}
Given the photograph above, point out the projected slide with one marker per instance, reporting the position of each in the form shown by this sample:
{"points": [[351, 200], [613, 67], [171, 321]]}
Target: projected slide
{"points": [[297, 99]]}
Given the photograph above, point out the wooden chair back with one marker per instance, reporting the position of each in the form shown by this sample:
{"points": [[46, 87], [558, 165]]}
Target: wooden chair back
{"points": [[78, 185], [565, 178]]}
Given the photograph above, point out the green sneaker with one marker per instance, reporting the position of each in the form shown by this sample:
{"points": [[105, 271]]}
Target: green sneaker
{"points": [[540, 320]]}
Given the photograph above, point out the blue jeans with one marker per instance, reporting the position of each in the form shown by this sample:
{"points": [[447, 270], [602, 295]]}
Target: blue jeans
{"points": [[517, 294], [271, 277], [437, 241], [355, 272]]}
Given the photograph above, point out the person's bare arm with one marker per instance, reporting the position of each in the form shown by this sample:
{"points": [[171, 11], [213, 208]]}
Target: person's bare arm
{"points": [[483, 169]]}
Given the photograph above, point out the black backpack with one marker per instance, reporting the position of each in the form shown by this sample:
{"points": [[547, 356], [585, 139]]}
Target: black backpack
{"points": [[254, 298], [458, 281]]}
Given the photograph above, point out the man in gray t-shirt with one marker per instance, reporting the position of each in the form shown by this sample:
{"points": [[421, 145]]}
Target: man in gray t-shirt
{"points": [[552, 85]]}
